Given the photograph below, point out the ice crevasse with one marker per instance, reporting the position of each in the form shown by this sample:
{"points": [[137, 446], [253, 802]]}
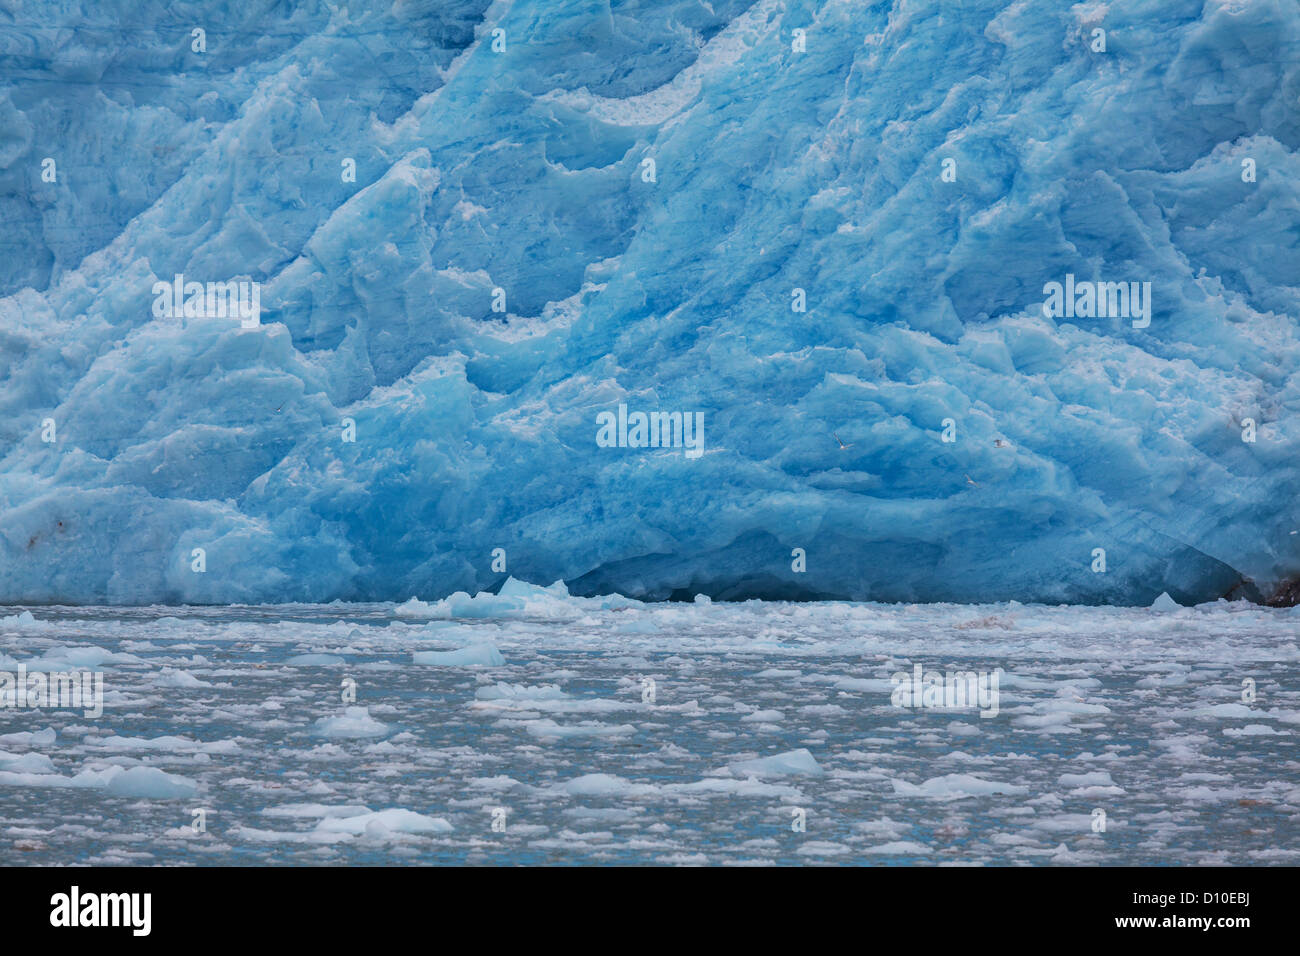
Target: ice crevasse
{"points": [[647, 193]]}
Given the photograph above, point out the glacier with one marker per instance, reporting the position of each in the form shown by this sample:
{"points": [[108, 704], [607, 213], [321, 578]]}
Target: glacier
{"points": [[500, 156]]}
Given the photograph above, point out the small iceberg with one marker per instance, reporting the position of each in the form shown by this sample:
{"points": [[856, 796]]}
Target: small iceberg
{"points": [[799, 762], [355, 722], [150, 783], [475, 655], [1165, 603], [383, 823], [516, 600]]}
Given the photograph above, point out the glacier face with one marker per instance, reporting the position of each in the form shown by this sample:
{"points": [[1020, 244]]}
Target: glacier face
{"points": [[517, 177]]}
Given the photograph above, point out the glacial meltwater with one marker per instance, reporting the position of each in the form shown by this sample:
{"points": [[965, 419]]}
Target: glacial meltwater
{"points": [[535, 727]]}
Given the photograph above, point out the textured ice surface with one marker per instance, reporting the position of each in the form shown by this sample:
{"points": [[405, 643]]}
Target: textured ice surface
{"points": [[775, 170], [1133, 712]]}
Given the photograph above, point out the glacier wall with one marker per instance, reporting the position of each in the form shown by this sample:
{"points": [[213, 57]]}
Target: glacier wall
{"points": [[501, 160]]}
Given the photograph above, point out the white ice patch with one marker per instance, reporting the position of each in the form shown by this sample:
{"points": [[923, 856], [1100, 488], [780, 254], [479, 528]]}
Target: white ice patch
{"points": [[1165, 603], [515, 600], [384, 822], [550, 730], [183, 680], [520, 692], [1254, 730], [316, 660], [150, 783], [955, 786], [796, 762], [355, 722], [476, 655]]}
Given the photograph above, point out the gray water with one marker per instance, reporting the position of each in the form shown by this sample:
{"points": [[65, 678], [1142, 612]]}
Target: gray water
{"points": [[1100, 711]]}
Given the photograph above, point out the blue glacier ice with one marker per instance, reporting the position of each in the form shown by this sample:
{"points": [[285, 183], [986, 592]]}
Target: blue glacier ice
{"points": [[504, 146]]}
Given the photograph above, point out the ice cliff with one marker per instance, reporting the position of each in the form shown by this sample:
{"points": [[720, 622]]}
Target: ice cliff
{"points": [[563, 207]]}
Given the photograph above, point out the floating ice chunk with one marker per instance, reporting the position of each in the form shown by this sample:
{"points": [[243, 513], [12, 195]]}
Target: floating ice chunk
{"points": [[25, 778], [1254, 730], [414, 608], [355, 722], [596, 784], [899, 848], [84, 779], [641, 626], [1050, 723], [168, 743], [18, 622], [475, 655], [1069, 704], [522, 590], [1095, 778], [1063, 854], [503, 691], [516, 600], [796, 762], [170, 677], [822, 710], [25, 763], [763, 717], [308, 810], [85, 657], [547, 728], [863, 685], [822, 848], [725, 786], [395, 820], [884, 827], [603, 785], [1066, 823], [606, 815], [1165, 603], [30, 738], [955, 786], [316, 660], [1227, 710], [150, 783], [1095, 784]]}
